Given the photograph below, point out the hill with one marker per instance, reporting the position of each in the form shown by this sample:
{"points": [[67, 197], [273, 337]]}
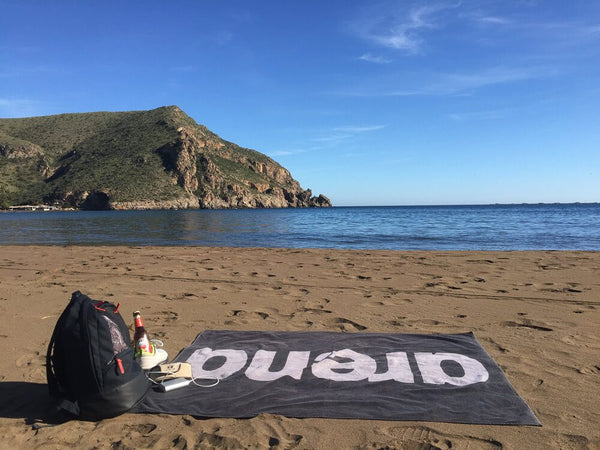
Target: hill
{"points": [[137, 160]]}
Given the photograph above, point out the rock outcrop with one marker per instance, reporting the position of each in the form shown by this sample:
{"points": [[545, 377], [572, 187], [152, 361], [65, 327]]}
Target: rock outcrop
{"points": [[20, 151], [193, 161]]}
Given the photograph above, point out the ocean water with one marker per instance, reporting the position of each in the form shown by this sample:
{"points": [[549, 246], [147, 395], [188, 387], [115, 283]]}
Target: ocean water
{"points": [[485, 227]]}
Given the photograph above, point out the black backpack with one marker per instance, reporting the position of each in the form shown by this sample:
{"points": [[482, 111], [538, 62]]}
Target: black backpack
{"points": [[90, 363]]}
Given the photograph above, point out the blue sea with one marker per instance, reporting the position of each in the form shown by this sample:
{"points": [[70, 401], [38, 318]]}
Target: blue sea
{"points": [[482, 227]]}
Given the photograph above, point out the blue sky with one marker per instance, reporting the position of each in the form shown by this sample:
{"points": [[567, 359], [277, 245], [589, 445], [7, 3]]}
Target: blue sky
{"points": [[368, 102]]}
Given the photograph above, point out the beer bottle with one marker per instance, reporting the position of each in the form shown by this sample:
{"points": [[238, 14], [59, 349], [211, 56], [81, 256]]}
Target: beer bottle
{"points": [[141, 341]]}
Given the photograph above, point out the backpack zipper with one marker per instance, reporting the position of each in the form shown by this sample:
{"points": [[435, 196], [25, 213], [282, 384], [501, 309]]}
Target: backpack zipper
{"points": [[120, 365]]}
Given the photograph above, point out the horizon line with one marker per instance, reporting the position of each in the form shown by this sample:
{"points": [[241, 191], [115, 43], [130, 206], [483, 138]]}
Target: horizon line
{"points": [[467, 204]]}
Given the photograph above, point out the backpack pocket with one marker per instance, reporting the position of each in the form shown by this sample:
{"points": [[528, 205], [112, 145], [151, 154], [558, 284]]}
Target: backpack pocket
{"points": [[121, 367], [125, 384]]}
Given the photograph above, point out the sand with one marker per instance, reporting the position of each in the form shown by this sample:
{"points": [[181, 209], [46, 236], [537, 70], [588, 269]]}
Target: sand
{"points": [[536, 313]]}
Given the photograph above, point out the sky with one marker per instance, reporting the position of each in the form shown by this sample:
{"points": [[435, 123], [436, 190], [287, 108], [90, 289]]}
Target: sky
{"points": [[367, 102]]}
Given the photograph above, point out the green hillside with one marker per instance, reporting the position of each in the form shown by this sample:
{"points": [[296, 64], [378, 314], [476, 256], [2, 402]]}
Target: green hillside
{"points": [[133, 158]]}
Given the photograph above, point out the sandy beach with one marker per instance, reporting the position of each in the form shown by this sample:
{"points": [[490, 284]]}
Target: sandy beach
{"points": [[536, 313]]}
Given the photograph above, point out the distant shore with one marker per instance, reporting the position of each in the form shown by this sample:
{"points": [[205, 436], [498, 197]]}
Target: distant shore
{"points": [[536, 313], [44, 207], [25, 208]]}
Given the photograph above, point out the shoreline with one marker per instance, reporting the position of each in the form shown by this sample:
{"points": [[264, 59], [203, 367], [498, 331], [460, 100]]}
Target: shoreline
{"points": [[536, 313]]}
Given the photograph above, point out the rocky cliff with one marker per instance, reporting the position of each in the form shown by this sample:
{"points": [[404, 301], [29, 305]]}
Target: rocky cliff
{"points": [[138, 160]]}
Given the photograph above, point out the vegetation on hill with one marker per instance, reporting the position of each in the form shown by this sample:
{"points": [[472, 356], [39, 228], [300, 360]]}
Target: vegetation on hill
{"points": [[141, 159]]}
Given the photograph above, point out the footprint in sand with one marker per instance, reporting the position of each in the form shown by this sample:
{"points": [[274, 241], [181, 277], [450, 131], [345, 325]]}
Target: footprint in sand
{"points": [[262, 315], [208, 440], [275, 435], [498, 347], [526, 323], [142, 428], [397, 322], [590, 370], [290, 441], [341, 324], [429, 322], [375, 303], [27, 360], [317, 310], [33, 364], [180, 442], [140, 434], [418, 437], [167, 317]]}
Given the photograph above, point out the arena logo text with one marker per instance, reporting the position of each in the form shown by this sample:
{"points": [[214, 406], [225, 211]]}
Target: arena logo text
{"points": [[345, 365]]}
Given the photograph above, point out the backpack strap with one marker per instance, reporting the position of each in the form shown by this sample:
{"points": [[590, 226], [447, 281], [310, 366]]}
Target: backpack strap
{"points": [[56, 390]]}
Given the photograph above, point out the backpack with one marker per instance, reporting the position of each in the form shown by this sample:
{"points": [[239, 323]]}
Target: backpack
{"points": [[90, 365]]}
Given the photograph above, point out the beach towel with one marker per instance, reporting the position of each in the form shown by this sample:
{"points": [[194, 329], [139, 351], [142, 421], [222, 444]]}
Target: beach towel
{"points": [[438, 377]]}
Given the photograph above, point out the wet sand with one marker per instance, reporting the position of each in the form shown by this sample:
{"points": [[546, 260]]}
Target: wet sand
{"points": [[536, 313]]}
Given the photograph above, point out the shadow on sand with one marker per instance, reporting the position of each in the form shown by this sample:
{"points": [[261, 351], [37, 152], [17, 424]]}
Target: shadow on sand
{"points": [[28, 401]]}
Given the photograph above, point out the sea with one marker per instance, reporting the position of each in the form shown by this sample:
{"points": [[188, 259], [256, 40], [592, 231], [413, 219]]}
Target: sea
{"points": [[470, 227]]}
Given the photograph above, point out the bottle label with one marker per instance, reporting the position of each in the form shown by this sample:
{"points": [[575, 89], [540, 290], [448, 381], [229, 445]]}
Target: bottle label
{"points": [[143, 345]]}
